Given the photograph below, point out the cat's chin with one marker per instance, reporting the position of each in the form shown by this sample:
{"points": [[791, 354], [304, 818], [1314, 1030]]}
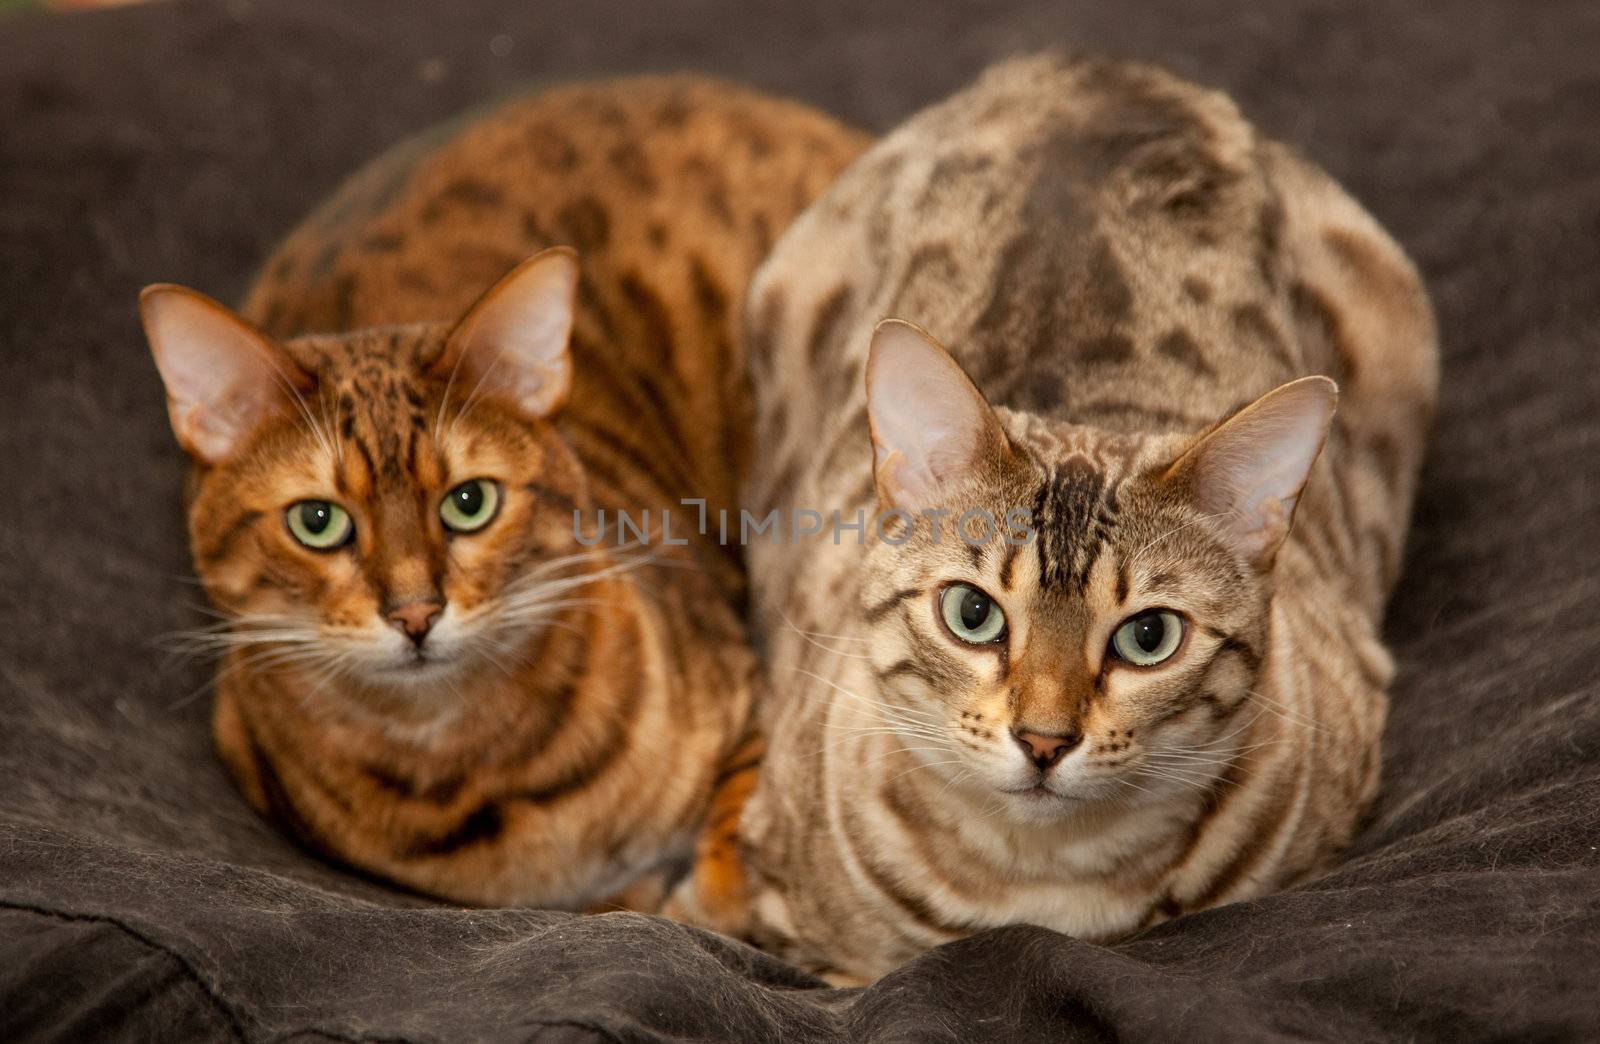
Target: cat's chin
{"points": [[1036, 808], [1057, 800], [1035, 793], [417, 672], [1039, 801]]}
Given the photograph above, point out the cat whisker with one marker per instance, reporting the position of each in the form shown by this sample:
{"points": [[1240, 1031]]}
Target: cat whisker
{"points": [[1186, 774], [323, 395], [892, 751], [189, 697], [898, 721], [871, 730], [1139, 554], [807, 636], [1221, 758], [903, 731], [288, 386], [245, 660], [1220, 742], [1211, 750], [958, 778], [922, 765], [823, 634], [536, 596], [900, 748], [444, 399], [1207, 769], [495, 653], [1192, 782], [232, 632], [891, 715], [560, 562], [1135, 786], [472, 396], [1284, 712]]}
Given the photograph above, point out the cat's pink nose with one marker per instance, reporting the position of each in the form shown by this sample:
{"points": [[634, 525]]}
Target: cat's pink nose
{"points": [[1045, 750], [416, 619]]}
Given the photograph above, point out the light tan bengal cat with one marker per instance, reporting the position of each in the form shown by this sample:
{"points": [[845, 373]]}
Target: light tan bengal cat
{"points": [[430, 674], [1080, 670]]}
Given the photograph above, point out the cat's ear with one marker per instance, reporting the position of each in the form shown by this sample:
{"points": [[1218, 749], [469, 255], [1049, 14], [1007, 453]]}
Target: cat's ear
{"points": [[514, 341], [929, 422], [224, 377], [1249, 470]]}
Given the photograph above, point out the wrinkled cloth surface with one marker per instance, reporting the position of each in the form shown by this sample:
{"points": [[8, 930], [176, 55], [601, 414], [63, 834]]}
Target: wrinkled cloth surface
{"points": [[140, 898]]}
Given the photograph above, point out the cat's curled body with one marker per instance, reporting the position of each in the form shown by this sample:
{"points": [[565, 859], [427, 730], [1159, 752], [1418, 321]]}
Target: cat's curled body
{"points": [[1119, 262], [494, 711]]}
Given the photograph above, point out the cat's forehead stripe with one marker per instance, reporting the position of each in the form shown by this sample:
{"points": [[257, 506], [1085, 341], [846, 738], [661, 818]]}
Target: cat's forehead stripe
{"points": [[373, 401], [1074, 511]]}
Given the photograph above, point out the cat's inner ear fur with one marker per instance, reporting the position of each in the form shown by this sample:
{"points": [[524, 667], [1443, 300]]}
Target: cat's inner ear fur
{"points": [[224, 378], [930, 424], [514, 342], [1248, 471]]}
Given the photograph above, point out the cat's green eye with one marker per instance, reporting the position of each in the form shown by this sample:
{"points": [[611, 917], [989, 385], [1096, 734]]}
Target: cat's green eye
{"points": [[971, 615], [1149, 638], [470, 506], [319, 524]]}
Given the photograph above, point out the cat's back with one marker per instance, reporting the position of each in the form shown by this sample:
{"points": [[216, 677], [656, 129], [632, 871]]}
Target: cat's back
{"points": [[655, 180], [1095, 240], [1105, 243]]}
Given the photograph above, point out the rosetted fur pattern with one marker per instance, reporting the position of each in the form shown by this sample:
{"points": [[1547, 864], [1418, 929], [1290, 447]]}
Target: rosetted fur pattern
{"points": [[501, 714], [1118, 283]]}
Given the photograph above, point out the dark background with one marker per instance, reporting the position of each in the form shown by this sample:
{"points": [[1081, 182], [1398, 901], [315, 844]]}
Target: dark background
{"points": [[177, 140]]}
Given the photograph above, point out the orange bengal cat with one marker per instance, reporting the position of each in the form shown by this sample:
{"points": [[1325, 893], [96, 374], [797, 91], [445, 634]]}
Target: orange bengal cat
{"points": [[425, 673]]}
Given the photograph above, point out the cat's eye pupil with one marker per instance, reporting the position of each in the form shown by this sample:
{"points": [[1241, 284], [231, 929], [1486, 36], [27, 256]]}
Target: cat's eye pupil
{"points": [[1149, 631], [975, 606], [469, 498], [316, 516]]}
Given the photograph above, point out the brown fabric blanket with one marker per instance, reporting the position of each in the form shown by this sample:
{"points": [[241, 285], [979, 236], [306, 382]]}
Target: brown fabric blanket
{"points": [[139, 898]]}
